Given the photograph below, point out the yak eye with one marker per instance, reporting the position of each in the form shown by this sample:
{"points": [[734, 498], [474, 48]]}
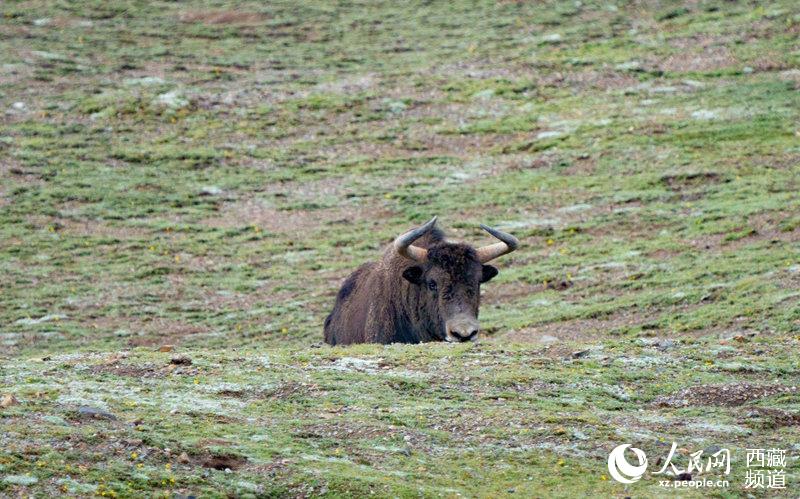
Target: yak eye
{"points": [[432, 285]]}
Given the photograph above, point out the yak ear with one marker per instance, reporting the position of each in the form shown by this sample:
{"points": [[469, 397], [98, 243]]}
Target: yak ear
{"points": [[413, 274], [488, 273]]}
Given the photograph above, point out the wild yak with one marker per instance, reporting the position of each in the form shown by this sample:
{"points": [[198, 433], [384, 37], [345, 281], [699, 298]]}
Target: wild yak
{"points": [[428, 291]]}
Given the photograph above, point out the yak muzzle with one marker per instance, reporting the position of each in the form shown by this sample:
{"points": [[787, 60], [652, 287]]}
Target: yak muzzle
{"points": [[462, 328]]}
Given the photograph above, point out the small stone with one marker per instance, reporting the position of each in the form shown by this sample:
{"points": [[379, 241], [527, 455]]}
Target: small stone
{"points": [[166, 348], [50, 56], [395, 106], [8, 400], [580, 354], [575, 208], [86, 411], [579, 435], [484, 94], [704, 114], [665, 89], [629, 66], [173, 100], [183, 458], [665, 344], [210, 190], [27, 321], [546, 338], [549, 134], [145, 81]]}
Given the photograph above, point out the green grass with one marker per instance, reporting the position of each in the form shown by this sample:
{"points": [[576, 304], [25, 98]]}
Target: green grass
{"points": [[205, 174]]}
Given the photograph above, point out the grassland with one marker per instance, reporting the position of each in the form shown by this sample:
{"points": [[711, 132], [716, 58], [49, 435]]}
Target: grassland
{"points": [[204, 175]]}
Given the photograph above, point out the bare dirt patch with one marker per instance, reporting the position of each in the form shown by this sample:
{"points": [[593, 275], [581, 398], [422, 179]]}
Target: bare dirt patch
{"points": [[89, 228], [732, 395], [290, 389], [682, 181], [351, 432], [12, 169], [345, 430], [663, 254], [699, 53], [143, 371], [259, 214], [583, 165], [763, 228], [767, 417], [457, 145], [134, 371], [219, 462], [216, 302], [149, 333], [589, 80], [504, 293], [215, 17], [577, 329]]}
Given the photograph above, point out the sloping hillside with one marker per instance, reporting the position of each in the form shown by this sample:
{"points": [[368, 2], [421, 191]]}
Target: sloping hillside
{"points": [[204, 175]]}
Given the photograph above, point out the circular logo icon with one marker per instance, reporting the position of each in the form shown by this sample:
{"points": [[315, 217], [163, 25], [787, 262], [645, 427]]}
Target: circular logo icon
{"points": [[619, 467]]}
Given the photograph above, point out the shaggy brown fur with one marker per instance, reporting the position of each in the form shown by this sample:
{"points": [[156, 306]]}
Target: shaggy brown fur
{"points": [[396, 300]]}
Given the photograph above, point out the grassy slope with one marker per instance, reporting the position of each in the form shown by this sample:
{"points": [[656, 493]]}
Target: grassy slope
{"points": [[205, 177]]}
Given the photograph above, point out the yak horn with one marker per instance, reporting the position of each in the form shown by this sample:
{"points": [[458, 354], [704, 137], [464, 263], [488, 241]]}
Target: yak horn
{"points": [[403, 243], [509, 243]]}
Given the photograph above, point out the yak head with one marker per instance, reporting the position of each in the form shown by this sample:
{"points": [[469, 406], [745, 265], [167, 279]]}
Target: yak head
{"points": [[451, 275]]}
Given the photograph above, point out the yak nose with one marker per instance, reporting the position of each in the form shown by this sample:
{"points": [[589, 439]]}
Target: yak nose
{"points": [[466, 334], [462, 328]]}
